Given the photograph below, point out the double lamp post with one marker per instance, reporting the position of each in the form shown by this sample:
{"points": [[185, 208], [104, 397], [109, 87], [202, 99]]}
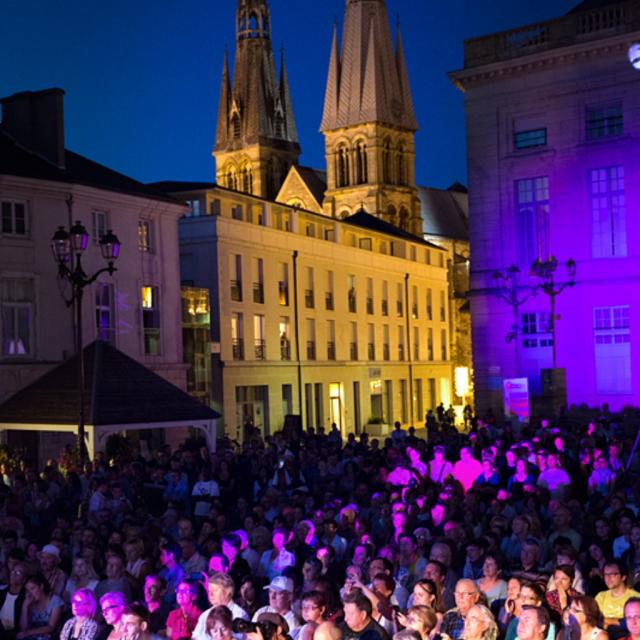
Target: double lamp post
{"points": [[68, 248]]}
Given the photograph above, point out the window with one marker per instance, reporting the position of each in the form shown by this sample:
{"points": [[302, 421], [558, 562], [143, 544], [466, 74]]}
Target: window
{"points": [[328, 299], [400, 342], [236, 212], [235, 125], [414, 303], [258, 337], [17, 297], [443, 344], [331, 340], [370, 296], [258, 280], [365, 243], [604, 122], [99, 225], [386, 355], [371, 342], [385, 298], [612, 337], [194, 208], [14, 218], [351, 291], [285, 339], [417, 385], [529, 139], [608, 212], [403, 402], [237, 336], [283, 285], [443, 307], [416, 343], [353, 344], [309, 298], [342, 171], [151, 320], [361, 163], [536, 330], [105, 313], [236, 277], [310, 230], [430, 354], [399, 305], [429, 304], [532, 215], [311, 339], [145, 235], [214, 207]]}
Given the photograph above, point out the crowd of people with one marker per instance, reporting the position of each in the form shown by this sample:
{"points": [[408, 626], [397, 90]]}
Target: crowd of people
{"points": [[497, 532]]}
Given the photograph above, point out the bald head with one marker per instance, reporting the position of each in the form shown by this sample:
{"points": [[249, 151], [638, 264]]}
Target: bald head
{"points": [[466, 595]]}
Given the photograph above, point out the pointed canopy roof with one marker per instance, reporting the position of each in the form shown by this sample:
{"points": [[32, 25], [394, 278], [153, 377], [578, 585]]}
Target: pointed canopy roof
{"points": [[368, 81], [119, 390]]}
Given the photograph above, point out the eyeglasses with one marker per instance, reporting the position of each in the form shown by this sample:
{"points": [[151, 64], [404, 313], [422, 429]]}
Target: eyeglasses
{"points": [[466, 594], [575, 610], [112, 606], [632, 618], [310, 606]]}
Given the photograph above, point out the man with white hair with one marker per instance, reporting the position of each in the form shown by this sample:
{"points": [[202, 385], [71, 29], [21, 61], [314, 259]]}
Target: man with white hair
{"points": [[220, 588]]}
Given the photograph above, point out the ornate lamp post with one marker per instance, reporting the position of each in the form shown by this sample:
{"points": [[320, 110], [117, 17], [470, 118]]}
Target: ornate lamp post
{"points": [[545, 270], [511, 280], [68, 247]]}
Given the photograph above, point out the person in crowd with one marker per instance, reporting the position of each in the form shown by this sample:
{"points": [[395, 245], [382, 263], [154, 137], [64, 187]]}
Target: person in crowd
{"points": [[358, 622], [585, 619], [563, 593], [420, 618], [137, 566], [135, 621], [83, 625], [11, 599], [491, 583], [479, 624], [154, 591], [533, 624], [612, 600], [49, 567], [83, 576], [182, 621], [467, 595], [41, 611], [312, 607], [632, 618], [112, 607], [276, 559], [116, 578], [220, 589], [280, 591], [532, 594]]}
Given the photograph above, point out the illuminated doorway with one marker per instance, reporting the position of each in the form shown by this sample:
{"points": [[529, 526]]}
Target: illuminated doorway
{"points": [[336, 403]]}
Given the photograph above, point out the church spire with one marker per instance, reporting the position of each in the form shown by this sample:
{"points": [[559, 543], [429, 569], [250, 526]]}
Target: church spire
{"points": [[368, 67], [403, 76], [256, 138]]}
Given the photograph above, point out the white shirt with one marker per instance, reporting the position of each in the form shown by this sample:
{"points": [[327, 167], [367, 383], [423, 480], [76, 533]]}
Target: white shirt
{"points": [[290, 617], [7, 616], [200, 632]]}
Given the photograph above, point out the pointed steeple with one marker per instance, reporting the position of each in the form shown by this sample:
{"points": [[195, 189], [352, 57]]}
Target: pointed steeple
{"points": [[222, 127], [330, 112], [290, 132], [369, 86], [403, 76]]}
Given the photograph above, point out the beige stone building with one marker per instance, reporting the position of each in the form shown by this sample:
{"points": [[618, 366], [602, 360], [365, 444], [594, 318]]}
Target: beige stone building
{"points": [[343, 321]]}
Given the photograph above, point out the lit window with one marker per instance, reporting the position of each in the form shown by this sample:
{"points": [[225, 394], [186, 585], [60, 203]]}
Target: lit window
{"points": [[608, 212], [145, 235], [105, 316], [150, 319], [612, 337], [100, 225], [16, 316]]}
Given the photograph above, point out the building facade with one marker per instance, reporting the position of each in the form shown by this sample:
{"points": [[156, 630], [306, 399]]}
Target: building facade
{"points": [[44, 186], [554, 174], [341, 321]]}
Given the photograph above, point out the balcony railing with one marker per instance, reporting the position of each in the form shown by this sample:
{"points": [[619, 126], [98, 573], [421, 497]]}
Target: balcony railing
{"points": [[331, 350], [236, 290], [285, 349], [352, 301], [258, 292], [311, 349], [328, 301], [385, 307], [353, 350], [259, 349], [238, 349]]}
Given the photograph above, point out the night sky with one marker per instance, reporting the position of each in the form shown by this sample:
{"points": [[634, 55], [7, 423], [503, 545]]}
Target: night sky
{"points": [[142, 77]]}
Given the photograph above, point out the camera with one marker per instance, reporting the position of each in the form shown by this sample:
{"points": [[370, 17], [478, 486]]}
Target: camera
{"points": [[268, 629]]}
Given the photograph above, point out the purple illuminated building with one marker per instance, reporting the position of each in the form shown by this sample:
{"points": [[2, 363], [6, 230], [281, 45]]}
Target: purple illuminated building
{"points": [[553, 131]]}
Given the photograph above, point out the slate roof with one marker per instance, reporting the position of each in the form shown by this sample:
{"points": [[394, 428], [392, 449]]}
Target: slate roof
{"points": [[367, 221], [171, 186], [445, 212], [119, 390], [316, 181], [15, 160], [590, 5]]}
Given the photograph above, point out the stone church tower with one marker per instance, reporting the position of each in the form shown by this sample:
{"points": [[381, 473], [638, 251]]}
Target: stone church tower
{"points": [[369, 122], [256, 137]]}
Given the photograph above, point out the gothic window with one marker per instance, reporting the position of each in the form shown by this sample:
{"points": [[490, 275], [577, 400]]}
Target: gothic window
{"points": [[343, 167], [235, 125], [246, 178], [391, 212], [386, 162], [253, 25], [403, 222], [361, 163], [402, 177]]}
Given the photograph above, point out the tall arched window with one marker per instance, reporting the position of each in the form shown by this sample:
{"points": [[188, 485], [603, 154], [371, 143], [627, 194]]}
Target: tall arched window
{"points": [[245, 175], [279, 126], [386, 162], [361, 163], [402, 169], [253, 25], [391, 212], [403, 221], [343, 167]]}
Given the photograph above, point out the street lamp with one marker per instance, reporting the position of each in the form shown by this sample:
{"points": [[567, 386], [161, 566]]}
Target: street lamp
{"points": [[68, 247], [545, 270]]}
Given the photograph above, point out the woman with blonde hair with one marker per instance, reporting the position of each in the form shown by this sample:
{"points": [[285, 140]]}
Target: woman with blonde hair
{"points": [[420, 618], [480, 624], [83, 625], [83, 576]]}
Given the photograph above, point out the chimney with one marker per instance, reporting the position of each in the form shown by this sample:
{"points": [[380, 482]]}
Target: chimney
{"points": [[35, 120]]}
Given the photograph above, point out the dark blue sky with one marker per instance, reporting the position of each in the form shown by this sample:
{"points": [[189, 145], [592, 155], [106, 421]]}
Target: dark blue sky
{"points": [[142, 77]]}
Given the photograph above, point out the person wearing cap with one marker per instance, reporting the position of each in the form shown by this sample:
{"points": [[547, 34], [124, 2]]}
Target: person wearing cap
{"points": [[220, 589], [49, 558], [439, 468], [280, 601]]}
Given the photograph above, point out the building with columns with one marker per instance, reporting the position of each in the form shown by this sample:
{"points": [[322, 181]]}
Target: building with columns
{"points": [[553, 130]]}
